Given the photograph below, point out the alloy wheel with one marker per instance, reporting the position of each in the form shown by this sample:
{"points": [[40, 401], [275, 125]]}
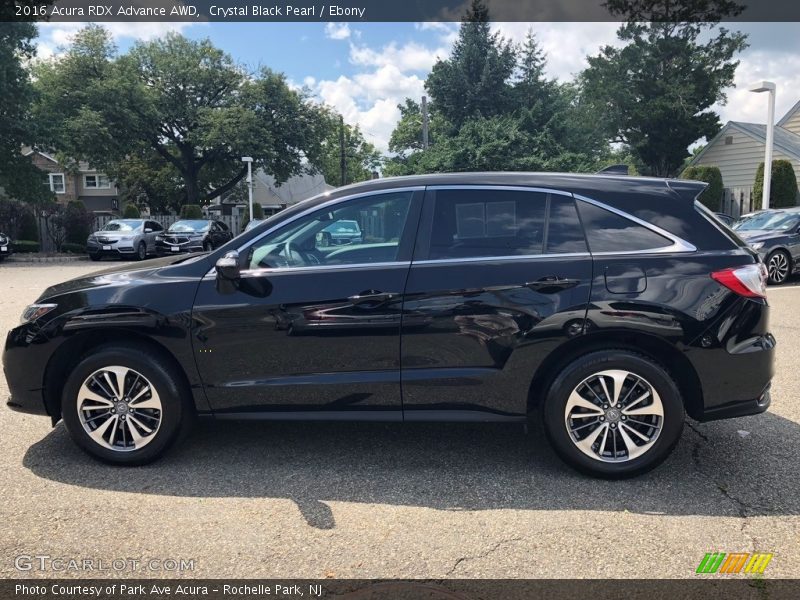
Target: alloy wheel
{"points": [[614, 416], [778, 267], [119, 408]]}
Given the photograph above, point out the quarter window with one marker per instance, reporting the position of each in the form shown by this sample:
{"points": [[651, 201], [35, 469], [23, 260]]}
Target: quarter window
{"points": [[609, 232], [360, 231]]}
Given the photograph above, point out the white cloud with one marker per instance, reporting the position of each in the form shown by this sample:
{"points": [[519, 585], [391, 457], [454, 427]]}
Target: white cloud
{"points": [[337, 31], [370, 99], [409, 57]]}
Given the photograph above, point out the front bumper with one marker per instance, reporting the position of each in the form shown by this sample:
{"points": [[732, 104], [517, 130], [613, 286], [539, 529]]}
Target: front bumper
{"points": [[738, 409], [24, 360], [163, 249], [112, 249], [5, 250]]}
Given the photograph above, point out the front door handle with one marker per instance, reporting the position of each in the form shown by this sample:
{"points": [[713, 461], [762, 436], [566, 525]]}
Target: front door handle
{"points": [[372, 297], [552, 284]]}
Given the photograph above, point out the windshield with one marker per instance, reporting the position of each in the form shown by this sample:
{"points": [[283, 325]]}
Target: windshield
{"points": [[122, 225], [768, 220], [189, 226]]}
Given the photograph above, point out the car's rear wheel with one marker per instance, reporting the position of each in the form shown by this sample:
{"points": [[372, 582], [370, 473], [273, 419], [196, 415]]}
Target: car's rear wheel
{"points": [[124, 407], [141, 251], [613, 414], [779, 266]]}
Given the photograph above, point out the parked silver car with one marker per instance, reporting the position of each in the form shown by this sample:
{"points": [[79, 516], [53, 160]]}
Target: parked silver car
{"points": [[126, 238]]}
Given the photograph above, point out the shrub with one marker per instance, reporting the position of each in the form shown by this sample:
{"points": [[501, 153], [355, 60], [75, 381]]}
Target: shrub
{"points": [[27, 228], [23, 246], [131, 212], [258, 212], [77, 223], [70, 248], [712, 195], [191, 211], [783, 189]]}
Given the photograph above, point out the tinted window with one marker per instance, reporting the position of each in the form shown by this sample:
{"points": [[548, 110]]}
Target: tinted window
{"points": [[609, 232], [564, 231], [361, 231], [474, 223]]}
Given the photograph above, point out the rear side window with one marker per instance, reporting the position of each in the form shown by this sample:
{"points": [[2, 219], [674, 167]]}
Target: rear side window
{"points": [[564, 231], [609, 232], [471, 223]]}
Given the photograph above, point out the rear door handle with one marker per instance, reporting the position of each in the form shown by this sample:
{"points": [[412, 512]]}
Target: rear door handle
{"points": [[552, 284], [372, 297]]}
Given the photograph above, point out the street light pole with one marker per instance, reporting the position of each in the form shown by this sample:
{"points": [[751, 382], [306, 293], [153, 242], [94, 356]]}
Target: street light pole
{"points": [[767, 86], [249, 161]]}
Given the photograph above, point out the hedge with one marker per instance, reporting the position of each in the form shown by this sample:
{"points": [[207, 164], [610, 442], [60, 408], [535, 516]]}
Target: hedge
{"points": [[77, 223], [712, 195], [70, 248], [783, 189], [28, 227], [131, 212], [23, 246], [191, 211]]}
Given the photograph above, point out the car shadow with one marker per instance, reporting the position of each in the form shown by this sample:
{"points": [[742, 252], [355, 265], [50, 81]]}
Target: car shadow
{"points": [[741, 467]]}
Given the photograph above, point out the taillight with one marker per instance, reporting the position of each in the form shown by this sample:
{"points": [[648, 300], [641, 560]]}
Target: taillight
{"points": [[749, 281]]}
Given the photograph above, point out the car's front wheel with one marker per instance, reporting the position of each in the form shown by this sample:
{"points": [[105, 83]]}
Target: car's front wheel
{"points": [[123, 407], [613, 414], [141, 251]]}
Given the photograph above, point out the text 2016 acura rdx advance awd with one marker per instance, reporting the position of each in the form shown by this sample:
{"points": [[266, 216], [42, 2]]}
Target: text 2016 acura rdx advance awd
{"points": [[607, 305]]}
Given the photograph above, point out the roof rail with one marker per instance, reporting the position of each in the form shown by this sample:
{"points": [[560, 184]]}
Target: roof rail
{"points": [[613, 170]]}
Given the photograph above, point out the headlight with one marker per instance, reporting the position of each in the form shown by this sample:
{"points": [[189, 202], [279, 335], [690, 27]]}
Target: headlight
{"points": [[35, 311], [757, 245], [159, 238]]}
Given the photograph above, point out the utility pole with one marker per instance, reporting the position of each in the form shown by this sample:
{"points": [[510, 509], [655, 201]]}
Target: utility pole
{"points": [[249, 161], [424, 122], [342, 158]]}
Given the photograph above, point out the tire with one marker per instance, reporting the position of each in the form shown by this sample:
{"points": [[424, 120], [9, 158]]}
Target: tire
{"points": [[141, 251], [597, 455], [167, 413], [779, 266], [94, 257]]}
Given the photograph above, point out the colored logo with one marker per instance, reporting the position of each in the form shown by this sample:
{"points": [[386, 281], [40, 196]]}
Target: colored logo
{"points": [[737, 562]]}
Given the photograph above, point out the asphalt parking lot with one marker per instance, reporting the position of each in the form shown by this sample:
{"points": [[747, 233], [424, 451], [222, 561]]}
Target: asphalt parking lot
{"points": [[261, 500]]}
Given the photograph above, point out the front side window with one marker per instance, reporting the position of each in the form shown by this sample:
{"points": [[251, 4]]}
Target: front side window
{"points": [[361, 231], [607, 231], [56, 183]]}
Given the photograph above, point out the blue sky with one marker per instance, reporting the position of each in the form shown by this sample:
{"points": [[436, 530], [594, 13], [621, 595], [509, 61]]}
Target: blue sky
{"points": [[364, 70]]}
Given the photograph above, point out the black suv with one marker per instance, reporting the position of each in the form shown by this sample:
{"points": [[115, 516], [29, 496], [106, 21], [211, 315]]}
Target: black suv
{"points": [[193, 235], [608, 305]]}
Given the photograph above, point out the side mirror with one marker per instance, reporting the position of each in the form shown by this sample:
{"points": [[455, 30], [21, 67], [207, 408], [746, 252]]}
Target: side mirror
{"points": [[228, 266]]}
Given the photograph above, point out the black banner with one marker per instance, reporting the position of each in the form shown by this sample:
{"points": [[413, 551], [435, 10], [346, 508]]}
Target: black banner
{"points": [[370, 10], [709, 588]]}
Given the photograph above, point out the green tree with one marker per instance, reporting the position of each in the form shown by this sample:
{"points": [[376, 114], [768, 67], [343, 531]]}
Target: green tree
{"points": [[783, 187], [77, 222], [361, 157], [18, 176], [475, 80], [712, 195], [191, 211], [656, 93], [185, 101]]}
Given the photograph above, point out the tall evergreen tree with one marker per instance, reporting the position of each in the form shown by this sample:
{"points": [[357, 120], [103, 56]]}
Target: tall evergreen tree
{"points": [[475, 80], [656, 93]]}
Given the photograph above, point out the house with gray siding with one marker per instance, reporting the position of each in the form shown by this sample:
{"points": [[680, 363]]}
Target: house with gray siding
{"points": [[739, 148]]}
